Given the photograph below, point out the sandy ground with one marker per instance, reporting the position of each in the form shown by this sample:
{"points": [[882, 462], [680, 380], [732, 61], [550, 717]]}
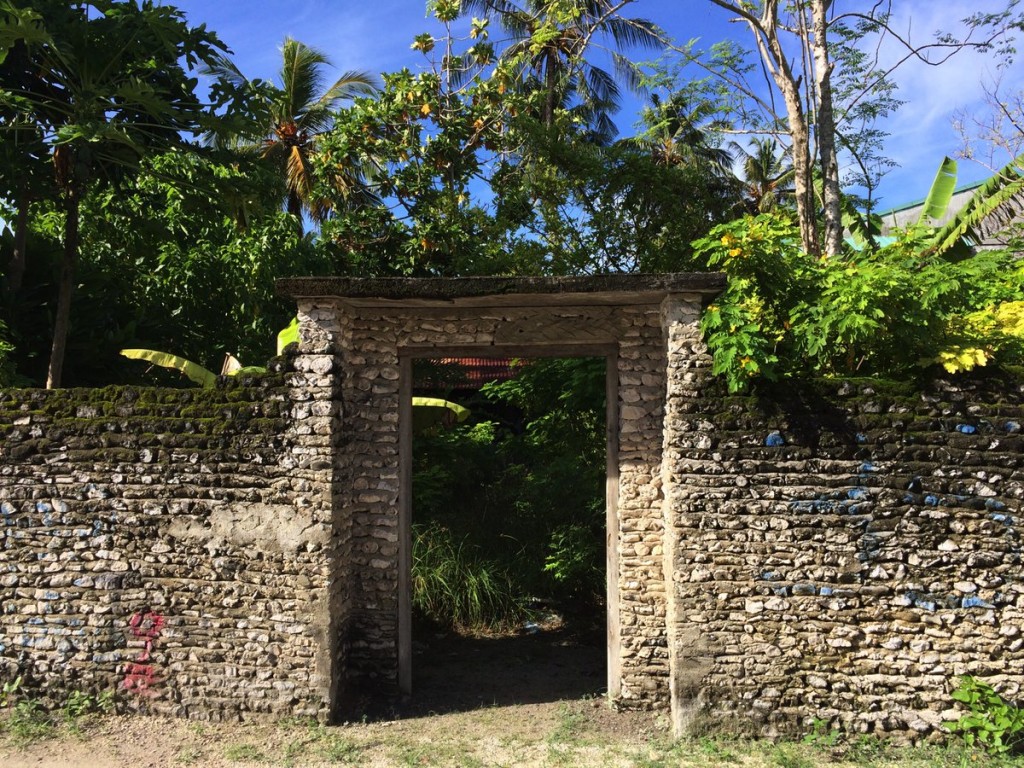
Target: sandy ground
{"points": [[527, 698], [530, 734]]}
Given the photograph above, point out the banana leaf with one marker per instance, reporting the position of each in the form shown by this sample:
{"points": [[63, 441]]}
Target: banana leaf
{"points": [[288, 335], [1001, 197], [231, 365], [937, 202], [193, 371], [429, 412], [864, 230]]}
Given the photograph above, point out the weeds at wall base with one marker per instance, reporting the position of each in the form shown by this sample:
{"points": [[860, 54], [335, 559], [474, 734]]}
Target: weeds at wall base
{"points": [[26, 720]]}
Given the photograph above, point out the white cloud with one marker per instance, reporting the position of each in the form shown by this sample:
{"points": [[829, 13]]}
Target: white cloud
{"points": [[922, 132], [372, 36]]}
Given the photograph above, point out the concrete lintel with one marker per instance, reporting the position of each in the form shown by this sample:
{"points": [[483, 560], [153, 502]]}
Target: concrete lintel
{"points": [[592, 290]]}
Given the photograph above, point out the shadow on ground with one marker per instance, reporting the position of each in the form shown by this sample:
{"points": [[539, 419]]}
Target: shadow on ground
{"points": [[455, 673]]}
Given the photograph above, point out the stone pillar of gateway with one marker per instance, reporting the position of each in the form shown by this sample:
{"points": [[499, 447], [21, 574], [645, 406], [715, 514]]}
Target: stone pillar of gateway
{"points": [[368, 331]]}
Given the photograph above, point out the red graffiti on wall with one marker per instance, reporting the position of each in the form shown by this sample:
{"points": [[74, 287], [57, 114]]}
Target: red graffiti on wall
{"points": [[140, 677]]}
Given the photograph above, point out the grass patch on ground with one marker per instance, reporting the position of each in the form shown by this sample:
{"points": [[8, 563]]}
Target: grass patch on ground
{"points": [[568, 733]]}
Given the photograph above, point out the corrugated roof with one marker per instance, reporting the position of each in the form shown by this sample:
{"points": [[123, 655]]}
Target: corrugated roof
{"points": [[467, 372]]}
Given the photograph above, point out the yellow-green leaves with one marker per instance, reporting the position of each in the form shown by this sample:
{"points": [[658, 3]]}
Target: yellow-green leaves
{"points": [[288, 335], [444, 10], [423, 42], [193, 371], [959, 359], [873, 311]]}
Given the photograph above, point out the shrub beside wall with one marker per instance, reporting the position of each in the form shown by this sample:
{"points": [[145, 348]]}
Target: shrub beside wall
{"points": [[848, 550], [172, 546]]}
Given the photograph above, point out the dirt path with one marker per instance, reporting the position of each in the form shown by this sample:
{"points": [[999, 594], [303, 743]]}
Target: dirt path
{"points": [[534, 697], [526, 700], [569, 733]]}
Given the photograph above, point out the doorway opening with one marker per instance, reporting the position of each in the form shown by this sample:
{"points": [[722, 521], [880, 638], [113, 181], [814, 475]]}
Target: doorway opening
{"points": [[509, 585]]}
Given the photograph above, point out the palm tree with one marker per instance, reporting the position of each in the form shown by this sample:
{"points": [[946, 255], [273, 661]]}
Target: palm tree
{"points": [[767, 175], [285, 120], [554, 50], [682, 132]]}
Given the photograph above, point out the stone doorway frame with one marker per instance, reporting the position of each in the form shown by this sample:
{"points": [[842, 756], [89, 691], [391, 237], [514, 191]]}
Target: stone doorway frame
{"points": [[357, 340], [406, 495]]}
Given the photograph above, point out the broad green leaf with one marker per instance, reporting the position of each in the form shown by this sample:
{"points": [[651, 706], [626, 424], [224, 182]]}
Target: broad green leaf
{"points": [[430, 411], [193, 371], [22, 24], [288, 335], [937, 202], [996, 196]]}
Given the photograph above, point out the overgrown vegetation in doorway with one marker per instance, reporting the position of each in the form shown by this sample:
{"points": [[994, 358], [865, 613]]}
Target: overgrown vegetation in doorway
{"points": [[509, 506]]}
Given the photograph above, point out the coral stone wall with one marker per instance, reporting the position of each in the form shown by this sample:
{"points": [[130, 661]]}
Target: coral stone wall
{"points": [[372, 343], [174, 546], [835, 551], [845, 552]]}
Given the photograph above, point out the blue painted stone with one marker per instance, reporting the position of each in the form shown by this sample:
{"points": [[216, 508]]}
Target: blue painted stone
{"points": [[867, 466], [857, 494], [770, 576], [931, 501], [825, 591], [1013, 426], [928, 605], [861, 438], [994, 504], [973, 601], [966, 429], [43, 508], [774, 439]]}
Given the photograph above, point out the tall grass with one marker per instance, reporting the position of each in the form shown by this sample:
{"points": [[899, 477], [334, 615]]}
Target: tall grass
{"points": [[454, 585]]}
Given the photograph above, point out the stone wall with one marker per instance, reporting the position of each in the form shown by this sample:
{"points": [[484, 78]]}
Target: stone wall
{"points": [[840, 551], [372, 342], [845, 552], [175, 545]]}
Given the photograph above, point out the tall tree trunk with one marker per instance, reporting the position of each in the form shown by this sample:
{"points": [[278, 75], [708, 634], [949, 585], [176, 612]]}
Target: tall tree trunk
{"points": [[825, 126], [61, 323], [550, 89], [803, 168], [765, 29], [772, 53], [16, 266], [294, 207]]}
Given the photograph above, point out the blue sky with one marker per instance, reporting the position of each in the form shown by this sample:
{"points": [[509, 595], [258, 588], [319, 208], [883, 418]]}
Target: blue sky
{"points": [[375, 35]]}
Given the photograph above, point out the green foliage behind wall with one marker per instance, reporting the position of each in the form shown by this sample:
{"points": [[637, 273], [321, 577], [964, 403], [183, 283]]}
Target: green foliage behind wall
{"points": [[519, 490]]}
